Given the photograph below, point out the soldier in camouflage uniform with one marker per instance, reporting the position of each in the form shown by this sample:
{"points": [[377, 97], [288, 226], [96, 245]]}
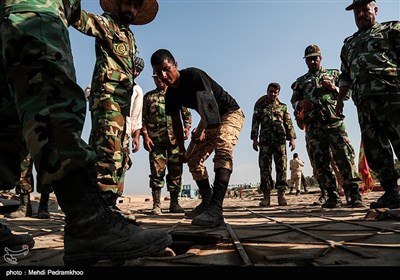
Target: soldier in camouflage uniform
{"points": [[111, 87], [159, 140], [183, 87], [370, 68], [24, 187], [271, 127], [41, 102], [314, 94]]}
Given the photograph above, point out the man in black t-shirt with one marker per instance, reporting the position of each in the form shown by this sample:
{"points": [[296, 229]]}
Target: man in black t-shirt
{"points": [[183, 87]]}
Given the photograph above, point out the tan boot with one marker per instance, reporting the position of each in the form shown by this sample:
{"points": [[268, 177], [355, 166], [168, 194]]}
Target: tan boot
{"points": [[25, 207], [266, 201], [281, 198], [156, 193]]}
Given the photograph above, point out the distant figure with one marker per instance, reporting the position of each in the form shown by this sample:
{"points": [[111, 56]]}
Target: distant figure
{"points": [[370, 68], [296, 167], [271, 127]]}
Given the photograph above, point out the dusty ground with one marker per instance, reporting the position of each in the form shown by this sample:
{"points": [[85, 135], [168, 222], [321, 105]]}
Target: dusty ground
{"points": [[298, 235]]}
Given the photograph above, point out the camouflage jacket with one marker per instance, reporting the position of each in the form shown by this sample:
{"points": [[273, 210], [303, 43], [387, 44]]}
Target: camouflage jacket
{"points": [[271, 122], [308, 87], [157, 123], [370, 61], [55, 7], [115, 49]]}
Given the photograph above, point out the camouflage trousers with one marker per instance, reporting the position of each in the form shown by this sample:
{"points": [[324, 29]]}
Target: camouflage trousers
{"points": [[339, 177], [326, 141], [379, 121], [108, 139], [276, 152], [127, 163], [220, 140], [164, 158], [40, 100], [26, 181]]}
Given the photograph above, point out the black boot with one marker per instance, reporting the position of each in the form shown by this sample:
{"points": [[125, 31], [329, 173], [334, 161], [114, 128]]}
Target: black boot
{"points": [[206, 194], [43, 210], [25, 207], [322, 197], [174, 206], [266, 201], [304, 183], [355, 197], [390, 199], [15, 242], [156, 193], [281, 198], [212, 216], [94, 232], [110, 199], [333, 199]]}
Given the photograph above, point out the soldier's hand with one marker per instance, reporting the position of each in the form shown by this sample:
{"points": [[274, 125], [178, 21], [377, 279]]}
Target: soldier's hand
{"points": [[328, 83], [339, 108], [186, 132], [182, 158], [255, 145], [306, 104], [292, 144]]}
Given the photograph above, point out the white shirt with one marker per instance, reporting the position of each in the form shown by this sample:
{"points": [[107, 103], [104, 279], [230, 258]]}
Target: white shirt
{"points": [[134, 121]]}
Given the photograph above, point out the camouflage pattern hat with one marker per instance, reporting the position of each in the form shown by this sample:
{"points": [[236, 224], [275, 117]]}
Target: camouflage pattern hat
{"points": [[146, 13], [357, 3], [312, 50]]}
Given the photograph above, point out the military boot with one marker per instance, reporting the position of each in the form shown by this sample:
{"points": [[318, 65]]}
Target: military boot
{"points": [[174, 206], [15, 242], [321, 199], [206, 194], [43, 210], [355, 197], [281, 198], [333, 200], [390, 199], [212, 216], [266, 201], [25, 207], [93, 232], [156, 193], [291, 190], [110, 199]]}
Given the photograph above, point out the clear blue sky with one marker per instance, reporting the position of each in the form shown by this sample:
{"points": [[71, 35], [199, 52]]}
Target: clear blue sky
{"points": [[243, 45]]}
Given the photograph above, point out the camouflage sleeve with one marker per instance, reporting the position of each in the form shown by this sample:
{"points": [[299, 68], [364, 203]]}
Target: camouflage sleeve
{"points": [[344, 77], [186, 117], [145, 111], [255, 124], [396, 38], [92, 25], [297, 95], [287, 121]]}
